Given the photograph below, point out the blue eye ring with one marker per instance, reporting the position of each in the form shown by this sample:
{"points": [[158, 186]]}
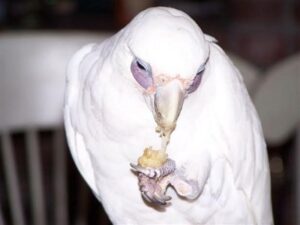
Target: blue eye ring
{"points": [[197, 79], [196, 82], [142, 73], [200, 71], [142, 65]]}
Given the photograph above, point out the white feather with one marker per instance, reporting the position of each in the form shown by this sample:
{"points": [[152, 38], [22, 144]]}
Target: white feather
{"points": [[218, 139]]}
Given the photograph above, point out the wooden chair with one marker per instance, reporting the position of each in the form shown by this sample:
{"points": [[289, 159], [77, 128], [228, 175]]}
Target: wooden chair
{"points": [[34, 178]]}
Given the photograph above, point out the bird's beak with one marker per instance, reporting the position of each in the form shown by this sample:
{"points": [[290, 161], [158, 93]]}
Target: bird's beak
{"points": [[168, 101]]}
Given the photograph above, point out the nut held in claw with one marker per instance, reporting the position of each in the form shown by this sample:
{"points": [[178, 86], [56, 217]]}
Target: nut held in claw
{"points": [[152, 158]]}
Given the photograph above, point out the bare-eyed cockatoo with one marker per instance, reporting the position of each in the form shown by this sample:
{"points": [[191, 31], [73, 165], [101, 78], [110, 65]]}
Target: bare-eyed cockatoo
{"points": [[162, 71]]}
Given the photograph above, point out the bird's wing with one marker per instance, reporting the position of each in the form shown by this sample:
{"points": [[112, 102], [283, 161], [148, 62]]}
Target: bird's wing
{"points": [[238, 132], [77, 68]]}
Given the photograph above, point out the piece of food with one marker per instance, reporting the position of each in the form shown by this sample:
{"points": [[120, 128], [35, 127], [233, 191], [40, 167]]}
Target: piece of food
{"points": [[152, 158]]}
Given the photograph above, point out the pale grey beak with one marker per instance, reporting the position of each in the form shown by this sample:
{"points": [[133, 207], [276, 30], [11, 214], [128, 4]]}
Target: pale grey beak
{"points": [[168, 102]]}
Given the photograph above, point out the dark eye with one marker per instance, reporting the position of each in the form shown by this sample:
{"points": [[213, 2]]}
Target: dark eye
{"points": [[141, 72], [140, 66], [196, 82]]}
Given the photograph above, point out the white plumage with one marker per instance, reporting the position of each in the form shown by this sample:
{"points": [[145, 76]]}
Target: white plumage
{"points": [[218, 140]]}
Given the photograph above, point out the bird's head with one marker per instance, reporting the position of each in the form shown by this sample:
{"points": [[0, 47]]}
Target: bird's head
{"points": [[168, 58]]}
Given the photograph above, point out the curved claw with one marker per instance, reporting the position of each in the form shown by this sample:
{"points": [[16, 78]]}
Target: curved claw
{"points": [[156, 197], [163, 199], [152, 191], [153, 182]]}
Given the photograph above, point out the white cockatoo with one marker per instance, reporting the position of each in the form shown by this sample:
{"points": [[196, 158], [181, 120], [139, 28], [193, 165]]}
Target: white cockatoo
{"points": [[162, 70]]}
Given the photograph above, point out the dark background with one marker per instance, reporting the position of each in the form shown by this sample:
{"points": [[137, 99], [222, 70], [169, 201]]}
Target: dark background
{"points": [[262, 31]]}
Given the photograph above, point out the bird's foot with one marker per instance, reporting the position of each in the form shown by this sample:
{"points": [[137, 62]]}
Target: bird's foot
{"points": [[184, 187], [153, 183], [153, 190]]}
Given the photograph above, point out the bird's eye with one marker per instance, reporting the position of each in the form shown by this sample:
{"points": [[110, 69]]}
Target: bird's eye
{"points": [[140, 65], [142, 73], [196, 82]]}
